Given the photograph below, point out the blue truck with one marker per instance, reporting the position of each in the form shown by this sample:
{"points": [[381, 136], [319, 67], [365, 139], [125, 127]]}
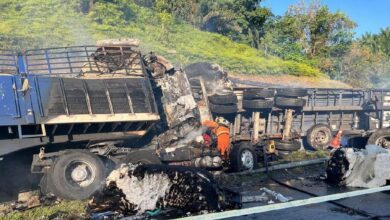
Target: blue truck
{"points": [[90, 107]]}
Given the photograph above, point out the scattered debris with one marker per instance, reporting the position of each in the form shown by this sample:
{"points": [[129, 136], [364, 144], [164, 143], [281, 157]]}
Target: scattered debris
{"points": [[276, 195], [27, 200], [5, 208], [264, 196], [367, 168], [135, 189]]}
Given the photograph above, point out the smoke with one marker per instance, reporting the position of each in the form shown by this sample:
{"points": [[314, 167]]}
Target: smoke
{"points": [[214, 78], [191, 137], [80, 32]]}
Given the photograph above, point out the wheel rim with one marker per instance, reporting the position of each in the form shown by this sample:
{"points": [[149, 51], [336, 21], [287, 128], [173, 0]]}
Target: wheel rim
{"points": [[247, 159], [383, 141], [80, 173], [321, 138]]}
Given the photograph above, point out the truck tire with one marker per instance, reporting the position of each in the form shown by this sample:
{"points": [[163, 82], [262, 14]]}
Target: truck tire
{"points": [[257, 104], [287, 145], [380, 137], [223, 109], [243, 157], [223, 99], [291, 92], [194, 82], [142, 157], [289, 102], [76, 174], [319, 136], [46, 186], [258, 93]]}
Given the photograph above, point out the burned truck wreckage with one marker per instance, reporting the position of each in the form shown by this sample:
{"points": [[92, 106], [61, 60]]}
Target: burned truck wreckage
{"points": [[134, 189], [366, 168], [93, 108]]}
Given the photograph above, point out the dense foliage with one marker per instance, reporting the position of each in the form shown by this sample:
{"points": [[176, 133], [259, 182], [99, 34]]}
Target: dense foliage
{"points": [[240, 35]]}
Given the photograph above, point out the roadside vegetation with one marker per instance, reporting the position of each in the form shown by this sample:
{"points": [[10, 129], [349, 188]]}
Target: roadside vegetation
{"points": [[306, 155], [61, 210], [240, 35]]}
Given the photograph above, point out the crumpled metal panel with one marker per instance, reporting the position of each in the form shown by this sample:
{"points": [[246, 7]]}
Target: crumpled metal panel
{"points": [[178, 101]]}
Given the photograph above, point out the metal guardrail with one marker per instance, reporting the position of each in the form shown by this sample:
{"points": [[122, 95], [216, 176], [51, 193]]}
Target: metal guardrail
{"points": [[283, 166], [279, 206]]}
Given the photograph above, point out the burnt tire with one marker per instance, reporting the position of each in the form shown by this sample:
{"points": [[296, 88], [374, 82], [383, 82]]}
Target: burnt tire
{"points": [[292, 92], [380, 137], [76, 175], [142, 157], [319, 136], [194, 82], [242, 157], [258, 94], [223, 109], [46, 185], [289, 102], [257, 104], [287, 145], [223, 99]]}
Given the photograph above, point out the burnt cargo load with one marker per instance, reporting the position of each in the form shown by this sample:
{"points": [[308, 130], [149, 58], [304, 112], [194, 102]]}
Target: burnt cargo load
{"points": [[62, 94]]}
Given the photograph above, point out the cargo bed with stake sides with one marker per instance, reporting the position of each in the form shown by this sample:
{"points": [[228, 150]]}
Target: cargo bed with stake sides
{"points": [[62, 94]]}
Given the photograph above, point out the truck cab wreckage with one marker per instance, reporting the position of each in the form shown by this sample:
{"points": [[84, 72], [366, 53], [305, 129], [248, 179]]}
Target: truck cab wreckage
{"points": [[109, 104]]}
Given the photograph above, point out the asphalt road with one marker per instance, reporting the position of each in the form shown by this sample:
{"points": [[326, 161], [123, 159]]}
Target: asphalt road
{"points": [[15, 176], [373, 206]]}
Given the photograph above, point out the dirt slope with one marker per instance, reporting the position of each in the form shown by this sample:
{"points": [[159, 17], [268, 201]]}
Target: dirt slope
{"points": [[287, 81]]}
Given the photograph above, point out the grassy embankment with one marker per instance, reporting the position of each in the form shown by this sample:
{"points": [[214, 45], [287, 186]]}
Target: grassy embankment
{"points": [[40, 23]]}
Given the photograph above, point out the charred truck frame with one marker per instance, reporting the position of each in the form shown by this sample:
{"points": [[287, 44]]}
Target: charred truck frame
{"points": [[89, 107]]}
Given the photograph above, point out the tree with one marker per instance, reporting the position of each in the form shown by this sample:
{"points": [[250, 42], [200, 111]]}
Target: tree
{"points": [[254, 17], [360, 67], [378, 42], [318, 28]]}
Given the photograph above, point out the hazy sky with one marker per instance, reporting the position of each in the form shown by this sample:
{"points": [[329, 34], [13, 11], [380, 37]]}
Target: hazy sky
{"points": [[370, 15]]}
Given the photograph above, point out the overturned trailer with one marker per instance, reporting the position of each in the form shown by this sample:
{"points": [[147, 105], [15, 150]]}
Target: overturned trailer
{"points": [[109, 103], [283, 119], [316, 114]]}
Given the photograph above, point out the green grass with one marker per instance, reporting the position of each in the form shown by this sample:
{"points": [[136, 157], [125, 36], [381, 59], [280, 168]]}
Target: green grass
{"points": [[40, 23], [306, 155], [62, 210]]}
